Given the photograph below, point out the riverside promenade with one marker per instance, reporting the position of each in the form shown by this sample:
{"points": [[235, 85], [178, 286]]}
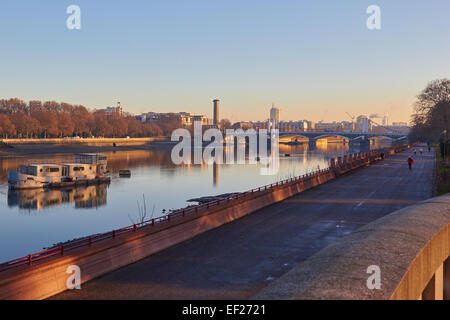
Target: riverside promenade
{"points": [[239, 259]]}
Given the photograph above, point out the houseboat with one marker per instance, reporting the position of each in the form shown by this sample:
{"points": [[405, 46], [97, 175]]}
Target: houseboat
{"points": [[88, 168]]}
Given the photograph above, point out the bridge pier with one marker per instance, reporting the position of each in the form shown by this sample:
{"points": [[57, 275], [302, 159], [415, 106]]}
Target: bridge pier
{"points": [[312, 144]]}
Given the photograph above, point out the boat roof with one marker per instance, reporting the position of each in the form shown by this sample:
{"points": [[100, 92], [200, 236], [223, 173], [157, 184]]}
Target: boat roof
{"points": [[43, 165], [90, 154], [56, 164]]}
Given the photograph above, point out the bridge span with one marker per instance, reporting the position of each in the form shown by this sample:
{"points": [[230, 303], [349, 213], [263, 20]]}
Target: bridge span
{"points": [[350, 137], [241, 258]]}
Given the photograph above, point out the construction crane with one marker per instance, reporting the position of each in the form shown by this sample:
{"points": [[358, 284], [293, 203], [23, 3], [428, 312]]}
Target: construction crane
{"points": [[351, 117], [376, 123], [388, 129], [353, 120]]}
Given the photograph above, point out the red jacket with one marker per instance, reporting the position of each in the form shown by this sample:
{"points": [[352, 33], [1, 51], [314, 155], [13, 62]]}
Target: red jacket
{"points": [[410, 160]]}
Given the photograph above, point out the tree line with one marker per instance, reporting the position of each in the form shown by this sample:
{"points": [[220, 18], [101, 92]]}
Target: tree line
{"points": [[431, 117], [52, 119]]}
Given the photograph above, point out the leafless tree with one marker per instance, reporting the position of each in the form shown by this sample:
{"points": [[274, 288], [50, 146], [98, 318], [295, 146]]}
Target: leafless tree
{"points": [[432, 112], [142, 212]]}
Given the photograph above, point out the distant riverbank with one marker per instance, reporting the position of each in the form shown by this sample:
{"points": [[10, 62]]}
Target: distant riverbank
{"points": [[82, 141], [21, 147]]}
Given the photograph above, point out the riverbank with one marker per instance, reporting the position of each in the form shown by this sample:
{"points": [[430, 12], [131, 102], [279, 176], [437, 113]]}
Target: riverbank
{"points": [[17, 150], [443, 174]]}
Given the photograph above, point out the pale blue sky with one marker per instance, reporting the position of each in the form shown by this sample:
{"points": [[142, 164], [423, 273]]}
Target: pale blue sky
{"points": [[314, 59]]}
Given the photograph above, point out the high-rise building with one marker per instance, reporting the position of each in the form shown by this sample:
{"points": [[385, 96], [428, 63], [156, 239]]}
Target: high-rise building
{"points": [[114, 110], [386, 119], [275, 117], [216, 112], [362, 124]]}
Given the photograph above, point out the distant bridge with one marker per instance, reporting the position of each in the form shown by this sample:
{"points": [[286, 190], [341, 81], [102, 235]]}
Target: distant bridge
{"points": [[347, 136]]}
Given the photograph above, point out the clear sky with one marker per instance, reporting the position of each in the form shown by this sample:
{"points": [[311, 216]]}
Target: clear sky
{"points": [[314, 59]]}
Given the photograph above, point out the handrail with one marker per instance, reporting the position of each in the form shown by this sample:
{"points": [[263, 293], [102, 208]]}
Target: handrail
{"points": [[89, 240]]}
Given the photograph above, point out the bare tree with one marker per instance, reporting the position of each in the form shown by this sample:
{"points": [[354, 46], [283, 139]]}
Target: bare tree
{"points": [[437, 91], [142, 212], [432, 112]]}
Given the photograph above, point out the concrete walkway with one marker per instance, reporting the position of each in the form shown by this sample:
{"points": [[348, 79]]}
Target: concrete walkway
{"points": [[239, 259]]}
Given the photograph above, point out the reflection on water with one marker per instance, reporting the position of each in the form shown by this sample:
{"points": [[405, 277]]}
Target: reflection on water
{"points": [[215, 174], [61, 215], [37, 199]]}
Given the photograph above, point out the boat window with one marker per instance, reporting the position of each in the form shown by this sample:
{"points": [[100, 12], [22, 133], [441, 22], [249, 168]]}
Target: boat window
{"points": [[29, 170], [41, 170], [78, 168], [52, 201], [52, 170]]}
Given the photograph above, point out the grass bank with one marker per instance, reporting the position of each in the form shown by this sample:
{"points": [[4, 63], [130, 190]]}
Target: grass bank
{"points": [[443, 173]]}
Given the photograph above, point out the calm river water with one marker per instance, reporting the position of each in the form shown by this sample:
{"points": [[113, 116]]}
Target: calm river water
{"points": [[35, 219]]}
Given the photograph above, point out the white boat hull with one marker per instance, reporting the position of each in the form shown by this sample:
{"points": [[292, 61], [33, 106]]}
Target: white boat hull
{"points": [[18, 180]]}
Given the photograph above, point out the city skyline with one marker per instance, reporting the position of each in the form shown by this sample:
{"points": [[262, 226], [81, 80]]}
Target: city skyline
{"points": [[313, 60], [274, 115]]}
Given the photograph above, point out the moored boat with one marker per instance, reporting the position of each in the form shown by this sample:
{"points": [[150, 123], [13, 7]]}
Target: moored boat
{"points": [[124, 173], [88, 168]]}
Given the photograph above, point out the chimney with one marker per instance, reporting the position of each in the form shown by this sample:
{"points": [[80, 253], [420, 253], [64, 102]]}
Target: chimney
{"points": [[216, 112]]}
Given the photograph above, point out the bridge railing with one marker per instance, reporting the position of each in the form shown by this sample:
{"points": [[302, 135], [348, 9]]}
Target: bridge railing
{"points": [[337, 167]]}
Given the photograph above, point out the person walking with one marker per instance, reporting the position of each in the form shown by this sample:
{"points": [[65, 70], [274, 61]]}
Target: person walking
{"points": [[410, 163], [415, 151]]}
